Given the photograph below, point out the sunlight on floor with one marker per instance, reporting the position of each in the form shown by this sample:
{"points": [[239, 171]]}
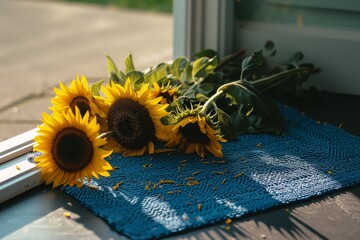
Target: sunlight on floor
{"points": [[55, 226], [152, 206]]}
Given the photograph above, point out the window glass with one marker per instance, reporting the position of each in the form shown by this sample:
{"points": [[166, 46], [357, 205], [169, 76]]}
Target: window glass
{"points": [[315, 13]]}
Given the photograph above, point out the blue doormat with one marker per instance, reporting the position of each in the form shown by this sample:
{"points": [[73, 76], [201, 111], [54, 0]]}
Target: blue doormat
{"points": [[159, 195]]}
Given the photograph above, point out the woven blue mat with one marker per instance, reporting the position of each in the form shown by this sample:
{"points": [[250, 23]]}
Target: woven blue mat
{"points": [[261, 171]]}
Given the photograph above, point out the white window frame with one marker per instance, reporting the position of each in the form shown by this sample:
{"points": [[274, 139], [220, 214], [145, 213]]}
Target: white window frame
{"points": [[17, 174], [203, 24]]}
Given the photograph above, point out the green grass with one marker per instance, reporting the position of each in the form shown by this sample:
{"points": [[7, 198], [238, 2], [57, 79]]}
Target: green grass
{"points": [[149, 5]]}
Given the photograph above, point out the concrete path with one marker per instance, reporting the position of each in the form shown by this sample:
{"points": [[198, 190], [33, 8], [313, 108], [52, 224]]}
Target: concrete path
{"points": [[44, 42]]}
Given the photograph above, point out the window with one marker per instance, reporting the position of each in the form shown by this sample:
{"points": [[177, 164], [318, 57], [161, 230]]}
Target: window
{"points": [[326, 31]]}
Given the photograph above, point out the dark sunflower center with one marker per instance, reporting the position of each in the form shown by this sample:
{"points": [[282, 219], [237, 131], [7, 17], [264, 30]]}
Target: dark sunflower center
{"points": [[131, 123], [72, 150], [193, 134], [82, 103]]}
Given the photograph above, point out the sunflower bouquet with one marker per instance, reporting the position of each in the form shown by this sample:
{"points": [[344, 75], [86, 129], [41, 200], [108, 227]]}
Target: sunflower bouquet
{"points": [[182, 105]]}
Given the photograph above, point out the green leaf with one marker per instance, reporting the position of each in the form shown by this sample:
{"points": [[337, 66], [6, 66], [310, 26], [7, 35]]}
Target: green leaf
{"points": [[203, 67], [294, 59], [186, 76], [95, 88], [226, 126], [252, 61], [136, 78], [273, 53], [239, 121], [129, 64], [266, 116], [238, 95], [209, 53], [256, 112], [167, 120], [114, 78], [178, 66], [157, 74], [114, 74], [189, 94], [122, 77], [269, 48], [111, 66], [269, 45], [215, 79], [201, 97], [205, 88], [161, 73]]}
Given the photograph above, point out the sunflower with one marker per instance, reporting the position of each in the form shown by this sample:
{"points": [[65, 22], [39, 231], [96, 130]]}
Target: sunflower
{"points": [[133, 117], [70, 149], [168, 93], [79, 95], [194, 132]]}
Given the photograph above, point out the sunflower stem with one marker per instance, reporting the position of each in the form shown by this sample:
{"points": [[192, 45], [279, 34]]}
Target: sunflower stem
{"points": [[194, 86], [229, 59], [279, 75], [211, 101], [241, 82]]}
